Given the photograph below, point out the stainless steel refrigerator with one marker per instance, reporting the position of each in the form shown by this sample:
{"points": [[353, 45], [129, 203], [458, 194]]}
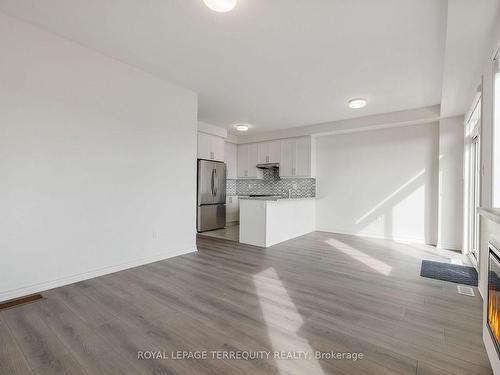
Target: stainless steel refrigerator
{"points": [[211, 195]]}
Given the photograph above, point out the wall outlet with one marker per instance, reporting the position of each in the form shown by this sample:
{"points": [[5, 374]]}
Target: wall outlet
{"points": [[155, 235]]}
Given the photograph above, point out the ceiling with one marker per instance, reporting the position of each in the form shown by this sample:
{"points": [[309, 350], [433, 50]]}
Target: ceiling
{"points": [[274, 64]]}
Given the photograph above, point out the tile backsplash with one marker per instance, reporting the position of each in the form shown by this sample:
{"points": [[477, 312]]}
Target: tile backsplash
{"points": [[231, 187], [273, 184]]}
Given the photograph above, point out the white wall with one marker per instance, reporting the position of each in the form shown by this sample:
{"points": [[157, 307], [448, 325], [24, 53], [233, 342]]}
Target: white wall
{"points": [[379, 183], [96, 163], [451, 155]]}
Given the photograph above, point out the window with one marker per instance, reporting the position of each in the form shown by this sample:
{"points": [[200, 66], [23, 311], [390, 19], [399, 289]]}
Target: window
{"points": [[472, 179]]}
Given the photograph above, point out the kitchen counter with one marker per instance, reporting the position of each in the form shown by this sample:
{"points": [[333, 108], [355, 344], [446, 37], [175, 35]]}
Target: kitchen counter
{"points": [[266, 221], [273, 198]]}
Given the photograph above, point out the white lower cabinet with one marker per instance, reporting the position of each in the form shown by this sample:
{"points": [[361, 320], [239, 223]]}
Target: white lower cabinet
{"points": [[267, 222], [232, 208]]}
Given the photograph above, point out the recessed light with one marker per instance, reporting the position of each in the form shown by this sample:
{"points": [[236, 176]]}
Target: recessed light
{"points": [[221, 6], [241, 127], [357, 103]]}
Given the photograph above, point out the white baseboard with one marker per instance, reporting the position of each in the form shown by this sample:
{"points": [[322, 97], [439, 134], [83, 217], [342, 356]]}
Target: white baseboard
{"points": [[379, 237], [47, 285], [449, 246]]}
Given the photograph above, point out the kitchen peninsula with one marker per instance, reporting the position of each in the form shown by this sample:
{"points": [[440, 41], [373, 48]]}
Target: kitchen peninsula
{"points": [[266, 221]]}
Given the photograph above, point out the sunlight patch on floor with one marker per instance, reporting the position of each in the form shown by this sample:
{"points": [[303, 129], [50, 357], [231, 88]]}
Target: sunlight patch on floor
{"points": [[364, 258], [293, 322]]}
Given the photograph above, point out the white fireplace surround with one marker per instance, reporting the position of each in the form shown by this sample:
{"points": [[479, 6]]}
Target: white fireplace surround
{"points": [[492, 249]]}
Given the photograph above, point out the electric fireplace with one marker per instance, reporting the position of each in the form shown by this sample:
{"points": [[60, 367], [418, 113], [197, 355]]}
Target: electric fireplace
{"points": [[494, 296]]}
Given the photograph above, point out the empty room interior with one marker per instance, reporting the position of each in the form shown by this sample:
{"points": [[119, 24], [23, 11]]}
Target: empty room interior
{"points": [[250, 187]]}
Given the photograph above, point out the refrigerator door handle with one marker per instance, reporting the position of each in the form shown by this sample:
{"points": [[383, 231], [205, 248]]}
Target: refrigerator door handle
{"points": [[212, 182], [216, 183]]}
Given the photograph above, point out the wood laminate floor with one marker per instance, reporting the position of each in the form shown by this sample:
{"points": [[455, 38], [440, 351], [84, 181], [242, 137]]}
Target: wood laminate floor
{"points": [[317, 293], [230, 232]]}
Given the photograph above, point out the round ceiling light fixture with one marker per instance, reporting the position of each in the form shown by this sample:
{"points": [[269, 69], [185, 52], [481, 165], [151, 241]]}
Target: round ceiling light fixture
{"points": [[220, 6], [357, 103], [242, 127]]}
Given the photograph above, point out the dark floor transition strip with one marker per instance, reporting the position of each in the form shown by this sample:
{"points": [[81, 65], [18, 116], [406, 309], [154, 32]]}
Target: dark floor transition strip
{"points": [[449, 272], [20, 301]]}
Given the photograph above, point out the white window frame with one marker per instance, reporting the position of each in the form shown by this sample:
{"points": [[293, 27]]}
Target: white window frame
{"points": [[472, 142]]}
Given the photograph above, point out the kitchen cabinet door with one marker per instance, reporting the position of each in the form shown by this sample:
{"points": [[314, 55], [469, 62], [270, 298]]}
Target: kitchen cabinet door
{"points": [[218, 148], [269, 152], [232, 209], [248, 158], [210, 147], [253, 160], [242, 161], [287, 158], [204, 146], [263, 152], [302, 157], [275, 152], [296, 158], [230, 155]]}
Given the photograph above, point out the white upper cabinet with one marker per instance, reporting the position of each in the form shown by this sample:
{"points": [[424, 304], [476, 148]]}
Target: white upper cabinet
{"points": [[296, 160], [230, 154], [247, 161], [295, 156], [210, 147], [269, 152], [287, 158], [303, 157]]}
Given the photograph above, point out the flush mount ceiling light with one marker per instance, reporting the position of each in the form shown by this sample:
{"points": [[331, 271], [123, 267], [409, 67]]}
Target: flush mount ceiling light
{"points": [[242, 127], [221, 6], [357, 103]]}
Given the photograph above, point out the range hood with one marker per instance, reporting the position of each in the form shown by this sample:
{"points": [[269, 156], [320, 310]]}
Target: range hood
{"points": [[268, 166]]}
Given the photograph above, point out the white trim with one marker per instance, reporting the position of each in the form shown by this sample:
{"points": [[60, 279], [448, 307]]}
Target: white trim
{"points": [[44, 286], [420, 241], [395, 239], [449, 246], [372, 122], [475, 102], [210, 129], [473, 260]]}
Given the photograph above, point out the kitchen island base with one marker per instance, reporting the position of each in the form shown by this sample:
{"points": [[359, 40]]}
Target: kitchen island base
{"points": [[267, 222]]}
